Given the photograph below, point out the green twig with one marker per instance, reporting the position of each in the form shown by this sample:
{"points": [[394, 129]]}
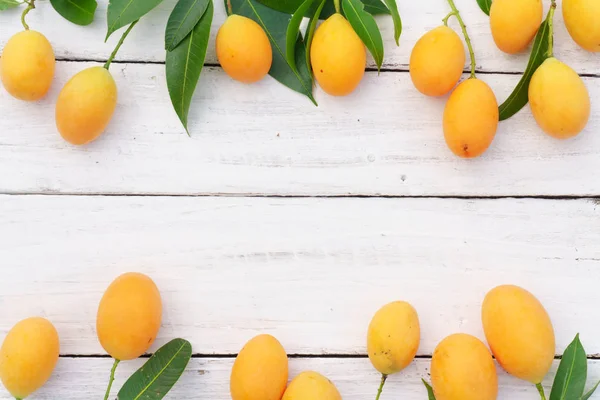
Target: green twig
{"points": [[551, 28], [229, 7], [338, 9], [112, 378], [30, 6], [456, 13], [540, 389], [116, 50], [383, 379]]}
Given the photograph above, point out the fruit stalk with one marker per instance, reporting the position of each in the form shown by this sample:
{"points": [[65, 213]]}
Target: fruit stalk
{"points": [[337, 6], [540, 389], [463, 27], [121, 41], [30, 6], [383, 379], [112, 379], [551, 28]]}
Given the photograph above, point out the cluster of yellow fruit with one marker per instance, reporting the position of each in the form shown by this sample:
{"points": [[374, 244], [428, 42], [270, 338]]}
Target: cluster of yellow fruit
{"points": [[128, 320]]}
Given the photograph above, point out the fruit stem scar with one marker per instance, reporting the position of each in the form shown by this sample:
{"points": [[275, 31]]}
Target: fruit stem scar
{"points": [[383, 379], [30, 6], [112, 378], [456, 13], [540, 389], [551, 28], [116, 50], [337, 6]]}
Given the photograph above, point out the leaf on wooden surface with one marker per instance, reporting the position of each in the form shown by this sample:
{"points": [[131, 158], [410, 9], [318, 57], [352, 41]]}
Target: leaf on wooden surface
{"points": [[6, 4], [569, 382], [184, 65], [430, 393], [80, 12], [365, 26], [293, 32], [485, 5], [310, 31], [183, 19], [275, 24], [591, 392], [123, 12], [393, 7], [520, 95], [159, 374], [373, 7]]}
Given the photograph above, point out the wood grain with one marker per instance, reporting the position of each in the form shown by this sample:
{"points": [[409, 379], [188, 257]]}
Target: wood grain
{"points": [[310, 271], [146, 42]]}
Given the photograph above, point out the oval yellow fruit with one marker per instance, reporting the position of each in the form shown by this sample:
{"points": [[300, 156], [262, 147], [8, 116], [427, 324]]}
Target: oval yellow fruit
{"points": [[260, 371], [462, 368], [243, 49], [129, 316], [338, 56], [582, 18], [471, 118], [559, 100], [519, 332], [27, 66], [437, 61], [28, 356], [515, 23], [311, 385], [393, 337], [86, 105]]}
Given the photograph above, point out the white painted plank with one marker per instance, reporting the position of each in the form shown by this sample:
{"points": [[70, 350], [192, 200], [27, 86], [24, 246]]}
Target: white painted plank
{"points": [[310, 271], [146, 43], [76, 379], [265, 139]]}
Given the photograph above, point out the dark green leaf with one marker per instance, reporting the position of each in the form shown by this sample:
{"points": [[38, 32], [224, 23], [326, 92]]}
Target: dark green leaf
{"points": [[591, 392], [80, 12], [183, 19], [485, 5], [397, 20], [184, 65], [570, 378], [520, 95], [158, 375], [123, 12], [293, 32], [373, 7], [430, 393], [275, 25], [310, 32], [6, 4], [284, 6], [365, 26]]}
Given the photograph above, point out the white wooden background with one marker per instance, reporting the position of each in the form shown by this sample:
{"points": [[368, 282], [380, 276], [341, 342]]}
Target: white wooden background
{"points": [[280, 217]]}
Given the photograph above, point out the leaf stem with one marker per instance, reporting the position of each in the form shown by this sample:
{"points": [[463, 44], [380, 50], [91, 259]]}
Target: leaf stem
{"points": [[456, 13], [540, 389], [116, 50], [30, 6], [551, 27], [112, 378], [383, 379], [337, 6], [229, 7]]}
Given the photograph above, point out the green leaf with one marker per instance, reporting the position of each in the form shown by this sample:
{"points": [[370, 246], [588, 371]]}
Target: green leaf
{"points": [[365, 26], [183, 19], [293, 31], [6, 4], [284, 6], [80, 12], [485, 5], [123, 12], [520, 95], [373, 7], [184, 65], [591, 392], [430, 393], [310, 32], [159, 374], [569, 382], [275, 25], [397, 20]]}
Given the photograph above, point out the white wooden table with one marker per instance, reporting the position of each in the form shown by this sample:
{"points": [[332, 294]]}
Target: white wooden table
{"points": [[280, 217]]}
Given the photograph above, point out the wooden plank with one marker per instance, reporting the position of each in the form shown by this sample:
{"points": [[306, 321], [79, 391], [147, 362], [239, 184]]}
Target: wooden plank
{"points": [[146, 42], [80, 378], [265, 139], [310, 271]]}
